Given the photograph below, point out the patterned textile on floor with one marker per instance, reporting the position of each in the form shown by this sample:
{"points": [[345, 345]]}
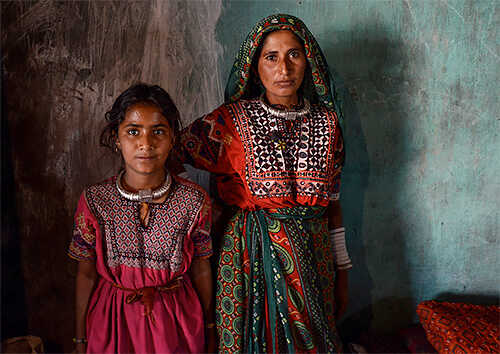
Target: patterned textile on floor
{"points": [[454, 327]]}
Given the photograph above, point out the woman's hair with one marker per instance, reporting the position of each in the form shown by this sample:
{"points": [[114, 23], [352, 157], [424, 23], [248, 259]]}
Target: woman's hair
{"points": [[253, 89], [150, 95]]}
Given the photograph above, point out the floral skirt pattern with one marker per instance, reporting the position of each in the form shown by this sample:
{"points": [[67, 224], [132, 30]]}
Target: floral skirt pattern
{"points": [[275, 286]]}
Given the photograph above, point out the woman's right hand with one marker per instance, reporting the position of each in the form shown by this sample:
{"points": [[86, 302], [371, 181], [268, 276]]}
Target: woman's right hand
{"points": [[341, 294]]}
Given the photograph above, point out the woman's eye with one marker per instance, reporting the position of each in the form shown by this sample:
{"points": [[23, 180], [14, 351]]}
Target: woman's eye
{"points": [[294, 54], [270, 57]]}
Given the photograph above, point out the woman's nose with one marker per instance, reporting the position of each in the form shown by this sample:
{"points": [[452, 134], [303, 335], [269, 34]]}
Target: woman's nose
{"points": [[284, 67]]}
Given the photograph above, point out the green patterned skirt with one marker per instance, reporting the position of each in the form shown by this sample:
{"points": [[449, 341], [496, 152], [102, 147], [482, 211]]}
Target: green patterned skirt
{"points": [[275, 286]]}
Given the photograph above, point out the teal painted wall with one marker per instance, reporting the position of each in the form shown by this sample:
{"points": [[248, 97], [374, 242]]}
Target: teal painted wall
{"points": [[420, 191]]}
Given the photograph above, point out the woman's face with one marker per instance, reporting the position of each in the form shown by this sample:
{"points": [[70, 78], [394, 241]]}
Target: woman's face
{"points": [[145, 139], [281, 66]]}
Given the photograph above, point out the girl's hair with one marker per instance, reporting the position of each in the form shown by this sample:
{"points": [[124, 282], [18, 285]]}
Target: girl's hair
{"points": [[253, 89], [150, 95]]}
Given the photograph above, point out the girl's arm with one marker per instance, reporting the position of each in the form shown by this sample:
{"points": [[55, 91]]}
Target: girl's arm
{"points": [[335, 221], [200, 274], [86, 282]]}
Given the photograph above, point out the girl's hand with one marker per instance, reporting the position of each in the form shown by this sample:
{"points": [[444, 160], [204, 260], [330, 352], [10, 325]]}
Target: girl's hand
{"points": [[211, 340], [81, 348], [200, 274], [86, 282]]}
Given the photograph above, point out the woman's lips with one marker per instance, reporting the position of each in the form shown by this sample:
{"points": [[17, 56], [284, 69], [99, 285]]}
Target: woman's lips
{"points": [[284, 83]]}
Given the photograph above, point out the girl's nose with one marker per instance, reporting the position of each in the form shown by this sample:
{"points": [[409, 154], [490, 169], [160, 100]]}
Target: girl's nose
{"points": [[146, 142]]}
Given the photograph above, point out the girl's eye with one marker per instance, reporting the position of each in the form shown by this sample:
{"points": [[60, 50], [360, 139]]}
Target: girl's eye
{"points": [[159, 132], [132, 132]]}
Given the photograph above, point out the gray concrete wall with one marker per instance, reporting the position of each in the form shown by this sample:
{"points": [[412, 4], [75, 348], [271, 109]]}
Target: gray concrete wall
{"points": [[420, 83]]}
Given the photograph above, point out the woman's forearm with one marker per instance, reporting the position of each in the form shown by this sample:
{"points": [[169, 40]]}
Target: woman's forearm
{"points": [[334, 213], [335, 222]]}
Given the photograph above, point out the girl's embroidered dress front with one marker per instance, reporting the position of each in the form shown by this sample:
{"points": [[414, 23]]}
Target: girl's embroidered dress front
{"points": [[130, 256]]}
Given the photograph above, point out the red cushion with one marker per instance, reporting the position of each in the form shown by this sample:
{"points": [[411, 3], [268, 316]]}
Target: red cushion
{"points": [[454, 327]]}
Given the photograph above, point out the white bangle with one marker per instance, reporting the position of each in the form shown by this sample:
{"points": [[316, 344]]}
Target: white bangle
{"points": [[341, 258]]}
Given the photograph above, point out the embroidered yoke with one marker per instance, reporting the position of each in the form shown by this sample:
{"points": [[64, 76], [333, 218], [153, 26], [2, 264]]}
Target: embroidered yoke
{"points": [[259, 163]]}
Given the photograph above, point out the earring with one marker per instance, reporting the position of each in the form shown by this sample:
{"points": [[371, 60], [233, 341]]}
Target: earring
{"points": [[257, 81], [117, 148]]}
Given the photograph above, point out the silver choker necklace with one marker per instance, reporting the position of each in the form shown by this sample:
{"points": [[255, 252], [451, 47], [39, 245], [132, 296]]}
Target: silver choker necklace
{"points": [[144, 195], [288, 114]]}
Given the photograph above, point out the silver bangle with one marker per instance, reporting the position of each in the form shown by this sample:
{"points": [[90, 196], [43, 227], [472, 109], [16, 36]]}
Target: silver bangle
{"points": [[344, 267], [339, 249]]}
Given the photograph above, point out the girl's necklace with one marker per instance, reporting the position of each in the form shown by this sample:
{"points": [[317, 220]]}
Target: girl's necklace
{"points": [[144, 195]]}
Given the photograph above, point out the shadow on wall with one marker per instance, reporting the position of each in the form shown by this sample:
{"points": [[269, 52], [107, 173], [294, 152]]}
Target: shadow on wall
{"points": [[373, 180], [13, 308], [354, 184]]}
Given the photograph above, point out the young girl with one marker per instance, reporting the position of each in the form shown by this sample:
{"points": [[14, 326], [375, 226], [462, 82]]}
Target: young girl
{"points": [[142, 239]]}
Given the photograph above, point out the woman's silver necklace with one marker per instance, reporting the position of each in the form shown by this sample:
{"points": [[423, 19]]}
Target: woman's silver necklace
{"points": [[144, 195], [287, 113]]}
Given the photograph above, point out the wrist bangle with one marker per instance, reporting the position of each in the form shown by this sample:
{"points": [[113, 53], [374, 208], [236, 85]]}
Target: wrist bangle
{"points": [[341, 258], [344, 267], [80, 340], [210, 325]]}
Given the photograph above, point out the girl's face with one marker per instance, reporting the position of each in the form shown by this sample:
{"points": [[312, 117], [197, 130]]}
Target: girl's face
{"points": [[145, 139], [281, 66]]}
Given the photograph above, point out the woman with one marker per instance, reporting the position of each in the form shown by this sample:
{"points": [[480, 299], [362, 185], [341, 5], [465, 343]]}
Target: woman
{"points": [[276, 149]]}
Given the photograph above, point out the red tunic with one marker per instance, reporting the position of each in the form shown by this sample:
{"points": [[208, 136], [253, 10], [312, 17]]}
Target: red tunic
{"points": [[262, 164]]}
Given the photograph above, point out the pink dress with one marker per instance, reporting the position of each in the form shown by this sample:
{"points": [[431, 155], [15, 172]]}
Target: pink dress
{"points": [[131, 256]]}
